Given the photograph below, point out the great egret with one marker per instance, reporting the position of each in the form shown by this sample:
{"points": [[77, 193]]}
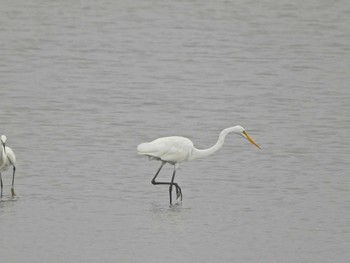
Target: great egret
{"points": [[176, 149], [7, 158]]}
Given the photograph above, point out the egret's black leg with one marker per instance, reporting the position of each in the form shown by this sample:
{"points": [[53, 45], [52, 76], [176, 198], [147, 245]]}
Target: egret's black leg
{"points": [[171, 186], [13, 181], [154, 178], [2, 186], [178, 189]]}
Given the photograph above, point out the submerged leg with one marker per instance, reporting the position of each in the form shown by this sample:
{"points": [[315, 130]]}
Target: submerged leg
{"points": [[178, 189], [2, 186], [13, 182], [171, 186]]}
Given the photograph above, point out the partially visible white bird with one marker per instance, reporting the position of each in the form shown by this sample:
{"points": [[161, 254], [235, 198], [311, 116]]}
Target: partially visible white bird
{"points": [[176, 149], [7, 158]]}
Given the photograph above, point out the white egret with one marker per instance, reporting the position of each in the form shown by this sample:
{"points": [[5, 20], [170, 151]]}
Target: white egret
{"points": [[176, 149], [7, 158]]}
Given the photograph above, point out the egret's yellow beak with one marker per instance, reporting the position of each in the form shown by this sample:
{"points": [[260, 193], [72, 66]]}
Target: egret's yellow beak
{"points": [[250, 139]]}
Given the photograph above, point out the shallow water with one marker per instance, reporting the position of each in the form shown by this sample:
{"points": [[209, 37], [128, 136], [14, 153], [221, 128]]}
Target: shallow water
{"points": [[81, 84]]}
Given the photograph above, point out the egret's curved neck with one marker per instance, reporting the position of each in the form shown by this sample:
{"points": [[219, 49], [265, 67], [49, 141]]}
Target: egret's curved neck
{"points": [[197, 153], [2, 154]]}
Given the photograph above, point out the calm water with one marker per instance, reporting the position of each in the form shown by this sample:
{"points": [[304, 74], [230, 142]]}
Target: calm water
{"points": [[83, 82]]}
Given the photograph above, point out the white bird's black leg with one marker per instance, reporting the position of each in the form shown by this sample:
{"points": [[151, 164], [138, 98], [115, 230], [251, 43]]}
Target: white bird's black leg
{"points": [[154, 178], [178, 189], [13, 181], [2, 186], [171, 186]]}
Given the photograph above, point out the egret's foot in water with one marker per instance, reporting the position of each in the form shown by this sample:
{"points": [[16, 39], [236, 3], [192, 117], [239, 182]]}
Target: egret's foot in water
{"points": [[13, 192], [178, 192]]}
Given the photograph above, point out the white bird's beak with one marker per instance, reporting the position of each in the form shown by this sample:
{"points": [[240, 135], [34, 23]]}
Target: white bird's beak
{"points": [[246, 135]]}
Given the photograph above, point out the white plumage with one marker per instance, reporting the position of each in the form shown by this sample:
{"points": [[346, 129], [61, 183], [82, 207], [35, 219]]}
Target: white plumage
{"points": [[177, 149], [174, 149], [7, 158]]}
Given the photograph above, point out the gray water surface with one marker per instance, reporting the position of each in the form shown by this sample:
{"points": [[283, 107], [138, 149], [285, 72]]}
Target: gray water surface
{"points": [[82, 83]]}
